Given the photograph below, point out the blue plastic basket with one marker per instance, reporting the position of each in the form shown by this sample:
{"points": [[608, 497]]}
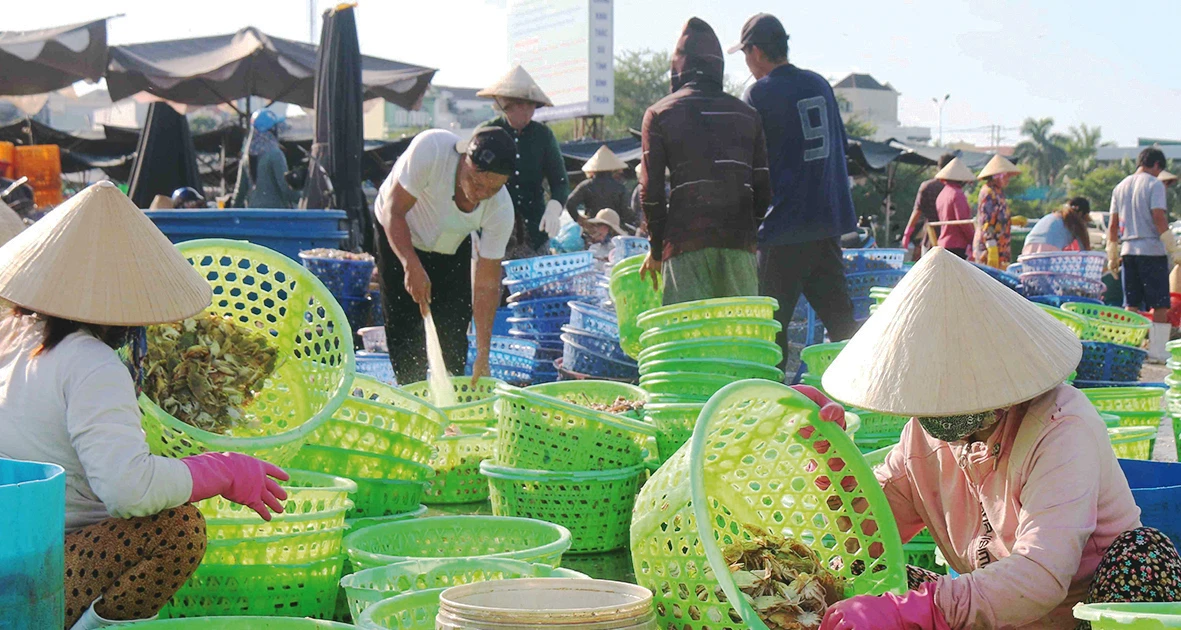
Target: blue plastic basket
{"points": [[344, 278], [1007, 279], [625, 247], [593, 320], [1046, 283], [543, 340], [508, 374], [1088, 265], [578, 358], [377, 365], [862, 308], [605, 346], [1059, 300], [545, 307], [863, 260], [859, 284], [591, 284], [1110, 362], [538, 325], [1016, 269], [544, 267]]}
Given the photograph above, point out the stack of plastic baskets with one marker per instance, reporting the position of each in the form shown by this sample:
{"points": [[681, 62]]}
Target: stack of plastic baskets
{"points": [[348, 280], [632, 296], [860, 284], [693, 349], [541, 289], [591, 347], [470, 438], [1111, 344], [563, 456], [1065, 274], [1173, 397], [1140, 411], [383, 439], [624, 247], [288, 566]]}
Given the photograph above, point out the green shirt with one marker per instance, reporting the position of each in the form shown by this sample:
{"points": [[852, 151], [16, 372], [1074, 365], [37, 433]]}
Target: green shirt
{"points": [[538, 159]]}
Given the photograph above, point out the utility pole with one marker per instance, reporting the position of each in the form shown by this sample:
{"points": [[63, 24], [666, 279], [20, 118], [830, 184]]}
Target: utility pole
{"points": [[939, 104], [312, 22]]}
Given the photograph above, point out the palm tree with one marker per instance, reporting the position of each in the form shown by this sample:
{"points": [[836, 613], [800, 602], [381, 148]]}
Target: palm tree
{"points": [[1081, 146], [1043, 151]]}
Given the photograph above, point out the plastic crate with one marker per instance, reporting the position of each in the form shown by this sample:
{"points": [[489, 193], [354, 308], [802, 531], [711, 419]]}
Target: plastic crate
{"points": [[344, 278], [1088, 265], [455, 537], [863, 260], [1110, 362], [1111, 324], [579, 358], [1038, 283], [593, 320], [545, 268], [42, 164]]}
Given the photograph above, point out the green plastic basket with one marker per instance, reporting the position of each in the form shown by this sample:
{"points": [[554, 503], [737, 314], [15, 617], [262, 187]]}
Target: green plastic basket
{"points": [[284, 525], [386, 497], [1110, 419], [674, 425], [298, 590], [268, 292], [877, 457], [359, 464], [1146, 616], [1132, 442], [308, 493], [589, 391], [1115, 399], [366, 438], [1139, 418], [457, 465], [370, 586], [242, 623], [761, 329], [280, 549], [1111, 324], [541, 432], [357, 524], [596, 506], [869, 444], [1174, 348], [474, 404], [736, 348], [632, 296], [685, 384], [722, 367], [921, 554], [718, 308], [1077, 324], [410, 611], [750, 464], [819, 356], [396, 410], [454, 537], [879, 425]]}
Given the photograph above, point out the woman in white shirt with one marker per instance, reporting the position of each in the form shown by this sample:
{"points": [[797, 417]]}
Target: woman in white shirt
{"points": [[444, 205], [84, 280]]}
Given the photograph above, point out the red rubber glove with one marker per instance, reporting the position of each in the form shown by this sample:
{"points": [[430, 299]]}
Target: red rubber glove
{"points": [[829, 411], [239, 478], [916, 610]]}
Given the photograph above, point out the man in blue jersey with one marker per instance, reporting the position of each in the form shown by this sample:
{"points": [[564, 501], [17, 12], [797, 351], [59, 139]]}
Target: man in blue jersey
{"points": [[811, 206]]}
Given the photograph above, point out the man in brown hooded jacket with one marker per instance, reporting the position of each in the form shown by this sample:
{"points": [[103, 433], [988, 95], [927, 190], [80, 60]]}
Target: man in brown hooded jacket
{"points": [[704, 232]]}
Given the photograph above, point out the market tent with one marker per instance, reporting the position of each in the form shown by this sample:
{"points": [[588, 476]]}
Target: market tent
{"points": [[35, 62], [334, 165], [165, 158], [223, 68]]}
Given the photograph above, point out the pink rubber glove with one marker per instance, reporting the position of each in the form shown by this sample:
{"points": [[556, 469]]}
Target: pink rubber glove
{"points": [[916, 610], [829, 411], [239, 478]]}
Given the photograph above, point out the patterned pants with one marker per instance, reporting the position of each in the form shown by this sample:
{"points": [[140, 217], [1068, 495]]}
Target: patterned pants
{"points": [[1141, 565], [135, 564]]}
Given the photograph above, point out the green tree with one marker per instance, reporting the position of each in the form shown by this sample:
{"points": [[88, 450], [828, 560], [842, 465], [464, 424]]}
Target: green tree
{"points": [[1043, 151], [1097, 185], [854, 126], [1082, 145], [641, 78]]}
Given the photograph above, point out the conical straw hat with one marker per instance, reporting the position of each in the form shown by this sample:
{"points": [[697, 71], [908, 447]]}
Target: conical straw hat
{"points": [[955, 171], [997, 165], [604, 160], [517, 84], [10, 223], [1166, 177], [98, 259], [951, 340]]}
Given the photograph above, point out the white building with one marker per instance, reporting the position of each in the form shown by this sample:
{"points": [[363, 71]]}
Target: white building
{"points": [[877, 104]]}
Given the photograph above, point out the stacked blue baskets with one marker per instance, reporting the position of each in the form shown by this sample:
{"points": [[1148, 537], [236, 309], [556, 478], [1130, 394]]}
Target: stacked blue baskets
{"points": [[591, 347], [624, 247], [348, 280], [1062, 274]]}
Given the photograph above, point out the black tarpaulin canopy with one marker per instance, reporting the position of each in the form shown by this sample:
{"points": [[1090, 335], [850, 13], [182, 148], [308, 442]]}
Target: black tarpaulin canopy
{"points": [[165, 158], [35, 62], [223, 68]]}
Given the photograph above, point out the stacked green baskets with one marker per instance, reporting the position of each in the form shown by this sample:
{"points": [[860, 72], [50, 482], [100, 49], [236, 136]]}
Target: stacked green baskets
{"points": [[633, 296], [749, 463], [563, 456], [266, 291], [288, 566], [693, 349], [1140, 411], [381, 438], [469, 438]]}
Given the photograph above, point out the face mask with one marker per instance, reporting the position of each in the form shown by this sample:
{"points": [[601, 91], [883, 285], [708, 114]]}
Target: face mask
{"points": [[956, 428]]}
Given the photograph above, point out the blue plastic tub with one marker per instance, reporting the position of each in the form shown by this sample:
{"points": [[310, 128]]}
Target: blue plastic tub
{"points": [[1156, 486], [32, 556], [377, 365], [286, 231]]}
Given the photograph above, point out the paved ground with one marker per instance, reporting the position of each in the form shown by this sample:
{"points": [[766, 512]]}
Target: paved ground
{"points": [[1166, 448]]}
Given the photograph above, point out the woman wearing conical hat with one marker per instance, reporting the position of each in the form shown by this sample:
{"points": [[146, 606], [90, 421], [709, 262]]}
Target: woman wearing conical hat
{"points": [[83, 280], [539, 160], [952, 205], [1011, 471], [600, 189], [993, 221]]}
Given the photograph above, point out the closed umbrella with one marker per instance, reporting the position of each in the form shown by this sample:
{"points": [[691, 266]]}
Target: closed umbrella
{"points": [[165, 157]]}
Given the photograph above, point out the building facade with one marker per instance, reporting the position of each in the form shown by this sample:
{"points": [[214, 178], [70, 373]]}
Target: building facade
{"points": [[865, 99]]}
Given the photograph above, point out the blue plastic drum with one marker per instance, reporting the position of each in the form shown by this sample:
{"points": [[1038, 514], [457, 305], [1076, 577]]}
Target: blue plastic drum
{"points": [[32, 556], [1156, 486]]}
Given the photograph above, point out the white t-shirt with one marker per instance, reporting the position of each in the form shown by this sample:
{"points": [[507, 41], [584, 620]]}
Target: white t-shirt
{"points": [[427, 170], [1133, 200], [74, 406]]}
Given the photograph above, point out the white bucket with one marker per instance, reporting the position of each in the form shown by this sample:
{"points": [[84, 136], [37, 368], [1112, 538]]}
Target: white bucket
{"points": [[546, 603]]}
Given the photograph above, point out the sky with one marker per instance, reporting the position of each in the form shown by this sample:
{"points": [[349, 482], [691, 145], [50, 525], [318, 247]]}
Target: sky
{"points": [[1001, 61]]}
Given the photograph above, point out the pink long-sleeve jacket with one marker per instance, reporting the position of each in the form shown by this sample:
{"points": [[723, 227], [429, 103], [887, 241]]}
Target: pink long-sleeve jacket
{"points": [[1024, 517]]}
